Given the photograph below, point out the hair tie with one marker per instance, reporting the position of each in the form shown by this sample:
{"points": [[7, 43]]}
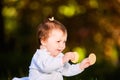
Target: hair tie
{"points": [[51, 19]]}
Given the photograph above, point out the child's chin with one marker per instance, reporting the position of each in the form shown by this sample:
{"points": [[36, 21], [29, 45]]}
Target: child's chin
{"points": [[56, 54]]}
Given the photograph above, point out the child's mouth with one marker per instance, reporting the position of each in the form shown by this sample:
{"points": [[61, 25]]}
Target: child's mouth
{"points": [[59, 50]]}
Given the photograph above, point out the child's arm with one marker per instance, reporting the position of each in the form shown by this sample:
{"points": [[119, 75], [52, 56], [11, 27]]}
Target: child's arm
{"points": [[74, 69]]}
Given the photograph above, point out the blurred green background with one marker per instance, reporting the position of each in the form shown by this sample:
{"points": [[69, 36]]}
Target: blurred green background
{"points": [[93, 26]]}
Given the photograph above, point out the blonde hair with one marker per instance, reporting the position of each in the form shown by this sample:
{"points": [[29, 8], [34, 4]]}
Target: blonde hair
{"points": [[47, 26]]}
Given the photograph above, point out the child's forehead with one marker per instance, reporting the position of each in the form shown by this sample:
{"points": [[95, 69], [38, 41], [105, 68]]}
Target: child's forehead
{"points": [[57, 33]]}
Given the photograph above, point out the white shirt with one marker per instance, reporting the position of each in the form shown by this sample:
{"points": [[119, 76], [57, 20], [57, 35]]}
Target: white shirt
{"points": [[45, 67]]}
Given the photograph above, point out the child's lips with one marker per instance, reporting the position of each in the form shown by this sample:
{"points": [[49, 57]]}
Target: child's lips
{"points": [[59, 50]]}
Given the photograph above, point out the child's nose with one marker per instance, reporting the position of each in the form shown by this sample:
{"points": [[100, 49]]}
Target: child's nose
{"points": [[61, 45]]}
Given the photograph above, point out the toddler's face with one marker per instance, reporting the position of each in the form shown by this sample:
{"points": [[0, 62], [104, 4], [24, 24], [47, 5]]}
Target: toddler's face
{"points": [[56, 42]]}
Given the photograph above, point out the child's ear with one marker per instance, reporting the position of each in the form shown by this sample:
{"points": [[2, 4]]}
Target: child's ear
{"points": [[43, 42]]}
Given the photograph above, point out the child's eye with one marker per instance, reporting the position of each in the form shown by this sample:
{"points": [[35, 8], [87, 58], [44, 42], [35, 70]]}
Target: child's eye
{"points": [[58, 41]]}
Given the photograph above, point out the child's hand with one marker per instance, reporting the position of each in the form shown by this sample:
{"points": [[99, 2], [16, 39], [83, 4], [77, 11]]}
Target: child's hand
{"points": [[88, 61], [68, 56], [76, 57], [85, 63]]}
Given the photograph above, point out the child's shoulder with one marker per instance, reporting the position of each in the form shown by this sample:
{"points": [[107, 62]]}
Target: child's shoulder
{"points": [[41, 52]]}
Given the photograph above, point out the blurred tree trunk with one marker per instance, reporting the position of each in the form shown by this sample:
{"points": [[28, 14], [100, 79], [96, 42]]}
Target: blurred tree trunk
{"points": [[1, 28]]}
